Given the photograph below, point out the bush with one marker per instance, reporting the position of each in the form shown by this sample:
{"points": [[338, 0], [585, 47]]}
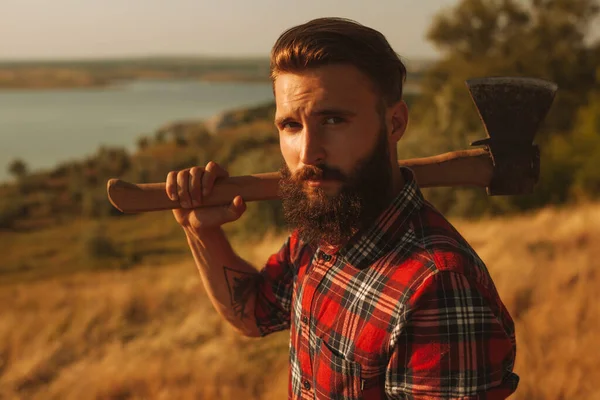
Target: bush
{"points": [[143, 143], [11, 209], [18, 168], [112, 161], [264, 216], [95, 204], [587, 151], [97, 245], [569, 163]]}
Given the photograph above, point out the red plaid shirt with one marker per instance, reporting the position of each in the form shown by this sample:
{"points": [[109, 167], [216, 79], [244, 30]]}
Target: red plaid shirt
{"points": [[406, 310]]}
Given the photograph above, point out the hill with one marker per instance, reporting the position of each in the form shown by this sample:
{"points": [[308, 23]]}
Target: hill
{"points": [[150, 332], [95, 304]]}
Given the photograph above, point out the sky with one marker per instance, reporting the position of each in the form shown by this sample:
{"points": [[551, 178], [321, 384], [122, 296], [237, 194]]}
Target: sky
{"points": [[67, 29]]}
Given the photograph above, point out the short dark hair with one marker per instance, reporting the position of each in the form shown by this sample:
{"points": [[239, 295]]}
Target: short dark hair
{"points": [[326, 41]]}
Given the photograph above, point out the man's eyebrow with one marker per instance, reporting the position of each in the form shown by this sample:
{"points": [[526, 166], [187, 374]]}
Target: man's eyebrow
{"points": [[325, 112], [319, 113], [282, 120], [333, 111]]}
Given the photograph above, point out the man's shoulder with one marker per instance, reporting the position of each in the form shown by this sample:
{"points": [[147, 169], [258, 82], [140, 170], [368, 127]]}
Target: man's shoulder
{"points": [[438, 239], [432, 245]]}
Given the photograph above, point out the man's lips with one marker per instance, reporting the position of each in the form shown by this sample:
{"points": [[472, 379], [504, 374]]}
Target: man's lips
{"points": [[321, 182]]}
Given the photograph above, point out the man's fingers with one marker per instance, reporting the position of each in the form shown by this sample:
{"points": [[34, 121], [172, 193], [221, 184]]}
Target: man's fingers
{"points": [[195, 185], [183, 178], [212, 171], [190, 186], [236, 208], [171, 186], [208, 179]]}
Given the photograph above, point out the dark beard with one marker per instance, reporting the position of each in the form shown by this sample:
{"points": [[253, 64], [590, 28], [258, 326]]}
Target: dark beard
{"points": [[333, 220]]}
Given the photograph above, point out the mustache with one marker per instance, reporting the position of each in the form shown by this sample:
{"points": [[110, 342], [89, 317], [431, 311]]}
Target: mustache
{"points": [[319, 172]]}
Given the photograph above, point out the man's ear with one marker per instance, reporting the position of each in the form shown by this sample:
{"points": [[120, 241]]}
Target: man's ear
{"points": [[399, 120]]}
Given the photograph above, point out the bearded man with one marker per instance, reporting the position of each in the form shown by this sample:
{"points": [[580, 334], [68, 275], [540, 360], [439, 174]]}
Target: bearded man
{"points": [[382, 296]]}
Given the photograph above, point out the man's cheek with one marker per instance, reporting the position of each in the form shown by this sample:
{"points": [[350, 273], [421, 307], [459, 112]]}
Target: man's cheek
{"points": [[345, 157], [290, 156]]}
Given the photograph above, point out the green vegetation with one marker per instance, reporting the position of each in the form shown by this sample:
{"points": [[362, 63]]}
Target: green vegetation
{"points": [[17, 168], [60, 221], [546, 39], [105, 329], [45, 215]]}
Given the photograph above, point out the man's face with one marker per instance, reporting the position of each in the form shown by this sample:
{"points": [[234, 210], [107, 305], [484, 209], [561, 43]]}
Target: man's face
{"points": [[326, 116], [336, 146]]}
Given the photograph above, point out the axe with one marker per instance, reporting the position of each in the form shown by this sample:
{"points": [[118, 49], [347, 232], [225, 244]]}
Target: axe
{"points": [[510, 108]]}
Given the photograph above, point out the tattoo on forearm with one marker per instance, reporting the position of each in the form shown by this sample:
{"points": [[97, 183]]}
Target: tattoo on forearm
{"points": [[240, 285]]}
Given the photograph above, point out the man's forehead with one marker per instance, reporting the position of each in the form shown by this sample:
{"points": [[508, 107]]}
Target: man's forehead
{"points": [[330, 87]]}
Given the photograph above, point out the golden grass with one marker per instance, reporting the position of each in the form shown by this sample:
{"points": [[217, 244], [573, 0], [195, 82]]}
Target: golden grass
{"points": [[155, 238], [150, 333]]}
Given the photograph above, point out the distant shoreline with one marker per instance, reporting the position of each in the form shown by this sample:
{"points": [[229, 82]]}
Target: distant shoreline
{"points": [[50, 75], [103, 73], [34, 86], [410, 88]]}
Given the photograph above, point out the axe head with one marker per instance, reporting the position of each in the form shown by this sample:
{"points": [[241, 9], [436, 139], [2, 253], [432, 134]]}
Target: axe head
{"points": [[512, 109]]}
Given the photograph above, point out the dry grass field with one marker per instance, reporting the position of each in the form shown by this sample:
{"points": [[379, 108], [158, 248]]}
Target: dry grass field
{"points": [[150, 333]]}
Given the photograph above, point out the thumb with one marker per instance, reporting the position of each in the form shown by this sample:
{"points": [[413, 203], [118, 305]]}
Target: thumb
{"points": [[236, 208]]}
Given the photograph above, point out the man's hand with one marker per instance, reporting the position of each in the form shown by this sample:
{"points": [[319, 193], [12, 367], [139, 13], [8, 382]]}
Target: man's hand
{"points": [[229, 281], [189, 187]]}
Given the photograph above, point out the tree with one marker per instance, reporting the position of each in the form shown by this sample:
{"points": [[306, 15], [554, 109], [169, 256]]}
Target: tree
{"points": [[112, 161], [536, 38], [143, 143], [584, 146], [541, 38], [17, 168], [12, 209]]}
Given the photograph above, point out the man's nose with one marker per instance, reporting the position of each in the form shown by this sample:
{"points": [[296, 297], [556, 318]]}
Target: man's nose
{"points": [[312, 151]]}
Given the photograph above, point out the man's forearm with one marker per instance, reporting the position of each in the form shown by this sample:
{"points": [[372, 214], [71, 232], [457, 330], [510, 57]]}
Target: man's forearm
{"points": [[230, 282]]}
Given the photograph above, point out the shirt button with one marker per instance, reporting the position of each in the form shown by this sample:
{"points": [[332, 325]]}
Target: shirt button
{"points": [[307, 385], [305, 320], [325, 257]]}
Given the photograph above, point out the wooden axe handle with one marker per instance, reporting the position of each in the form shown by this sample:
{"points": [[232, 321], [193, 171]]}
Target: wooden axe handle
{"points": [[458, 168]]}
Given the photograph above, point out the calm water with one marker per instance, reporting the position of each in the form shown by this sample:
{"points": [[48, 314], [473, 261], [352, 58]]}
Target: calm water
{"points": [[47, 127]]}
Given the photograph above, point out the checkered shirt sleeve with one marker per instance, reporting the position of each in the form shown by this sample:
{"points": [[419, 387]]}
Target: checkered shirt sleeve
{"points": [[274, 293], [449, 345]]}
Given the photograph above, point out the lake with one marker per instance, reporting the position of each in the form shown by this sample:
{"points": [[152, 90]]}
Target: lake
{"points": [[45, 127]]}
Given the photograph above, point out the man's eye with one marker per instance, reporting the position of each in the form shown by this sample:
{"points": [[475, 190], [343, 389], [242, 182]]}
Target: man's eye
{"points": [[290, 125], [333, 120]]}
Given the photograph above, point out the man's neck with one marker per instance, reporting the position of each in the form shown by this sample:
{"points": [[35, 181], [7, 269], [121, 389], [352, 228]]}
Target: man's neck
{"points": [[397, 182]]}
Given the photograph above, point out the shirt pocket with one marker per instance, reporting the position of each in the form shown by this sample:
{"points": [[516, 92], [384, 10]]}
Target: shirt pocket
{"points": [[335, 377]]}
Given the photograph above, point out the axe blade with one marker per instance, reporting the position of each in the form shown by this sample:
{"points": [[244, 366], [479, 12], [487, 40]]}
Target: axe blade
{"points": [[511, 108]]}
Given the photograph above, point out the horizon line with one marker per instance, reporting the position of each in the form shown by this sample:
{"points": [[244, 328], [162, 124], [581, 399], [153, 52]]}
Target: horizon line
{"points": [[123, 57]]}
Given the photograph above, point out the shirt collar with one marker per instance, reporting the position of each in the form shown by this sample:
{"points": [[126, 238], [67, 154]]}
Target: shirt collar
{"points": [[372, 243]]}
